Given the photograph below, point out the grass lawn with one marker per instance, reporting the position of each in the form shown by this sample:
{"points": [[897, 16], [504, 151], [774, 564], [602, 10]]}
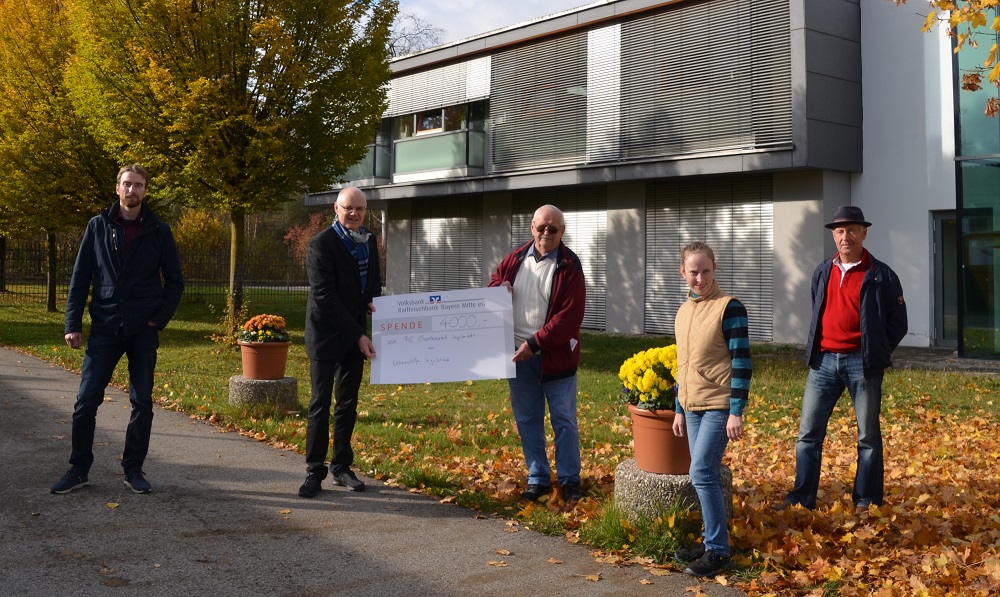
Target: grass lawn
{"points": [[938, 530]]}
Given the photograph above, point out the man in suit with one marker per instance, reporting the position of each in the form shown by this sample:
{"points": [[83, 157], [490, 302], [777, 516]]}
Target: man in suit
{"points": [[343, 268]]}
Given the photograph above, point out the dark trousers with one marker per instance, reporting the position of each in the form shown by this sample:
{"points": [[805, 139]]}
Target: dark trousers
{"points": [[102, 355], [340, 380]]}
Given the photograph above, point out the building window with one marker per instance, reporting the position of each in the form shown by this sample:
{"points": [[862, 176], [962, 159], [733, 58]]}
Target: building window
{"points": [[440, 120]]}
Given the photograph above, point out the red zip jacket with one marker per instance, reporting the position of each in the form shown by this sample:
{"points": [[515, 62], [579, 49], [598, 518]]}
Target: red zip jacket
{"points": [[559, 339]]}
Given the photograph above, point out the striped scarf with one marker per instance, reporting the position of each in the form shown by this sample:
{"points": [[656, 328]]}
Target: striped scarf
{"points": [[359, 250]]}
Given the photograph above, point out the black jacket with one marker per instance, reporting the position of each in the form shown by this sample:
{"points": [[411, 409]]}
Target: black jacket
{"points": [[127, 291], [883, 314], [336, 309]]}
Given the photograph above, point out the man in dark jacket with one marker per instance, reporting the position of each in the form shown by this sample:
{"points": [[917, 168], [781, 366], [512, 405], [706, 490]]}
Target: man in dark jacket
{"points": [[859, 317], [549, 294], [122, 256], [343, 268]]}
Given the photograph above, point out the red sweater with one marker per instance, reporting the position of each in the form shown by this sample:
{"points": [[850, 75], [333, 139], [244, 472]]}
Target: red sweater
{"points": [[840, 329]]}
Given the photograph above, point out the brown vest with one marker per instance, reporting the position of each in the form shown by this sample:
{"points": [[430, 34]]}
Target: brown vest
{"points": [[704, 364]]}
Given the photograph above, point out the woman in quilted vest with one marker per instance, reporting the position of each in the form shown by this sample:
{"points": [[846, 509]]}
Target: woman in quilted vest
{"points": [[713, 384]]}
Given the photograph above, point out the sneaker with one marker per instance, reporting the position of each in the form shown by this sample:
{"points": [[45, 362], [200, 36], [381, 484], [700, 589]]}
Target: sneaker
{"points": [[137, 482], [535, 491], [709, 564], [690, 554], [312, 486], [349, 480], [572, 492], [70, 481]]}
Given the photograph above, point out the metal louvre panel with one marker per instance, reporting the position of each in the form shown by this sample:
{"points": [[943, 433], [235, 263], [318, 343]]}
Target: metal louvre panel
{"points": [[450, 85], [603, 93], [586, 214], [735, 216], [706, 76], [446, 245], [538, 104]]}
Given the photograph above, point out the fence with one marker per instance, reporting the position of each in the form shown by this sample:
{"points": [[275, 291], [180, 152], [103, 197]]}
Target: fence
{"points": [[270, 273]]}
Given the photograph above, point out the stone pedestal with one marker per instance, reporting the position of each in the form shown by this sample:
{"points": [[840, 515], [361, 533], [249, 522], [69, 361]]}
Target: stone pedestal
{"points": [[282, 393], [642, 495]]}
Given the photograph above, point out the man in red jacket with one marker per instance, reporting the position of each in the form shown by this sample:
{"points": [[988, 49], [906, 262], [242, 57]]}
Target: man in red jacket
{"points": [[549, 295]]}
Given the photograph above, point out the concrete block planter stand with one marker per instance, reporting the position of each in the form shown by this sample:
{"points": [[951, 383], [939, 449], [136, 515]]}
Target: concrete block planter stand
{"points": [[643, 495]]}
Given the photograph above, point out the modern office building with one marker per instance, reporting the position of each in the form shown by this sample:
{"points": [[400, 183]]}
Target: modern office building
{"points": [[742, 123]]}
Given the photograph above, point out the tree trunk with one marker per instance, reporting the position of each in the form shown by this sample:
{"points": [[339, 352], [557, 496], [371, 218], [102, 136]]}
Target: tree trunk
{"points": [[3, 264], [237, 258], [50, 292]]}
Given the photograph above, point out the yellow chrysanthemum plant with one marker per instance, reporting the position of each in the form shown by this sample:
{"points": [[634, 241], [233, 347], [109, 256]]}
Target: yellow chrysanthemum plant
{"points": [[649, 378], [264, 328]]}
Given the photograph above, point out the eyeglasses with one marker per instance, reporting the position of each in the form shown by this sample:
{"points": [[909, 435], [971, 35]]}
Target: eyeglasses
{"points": [[132, 185], [549, 229], [352, 210]]}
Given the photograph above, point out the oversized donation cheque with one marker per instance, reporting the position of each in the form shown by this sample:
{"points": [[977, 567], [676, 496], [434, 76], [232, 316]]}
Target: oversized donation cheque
{"points": [[454, 335]]}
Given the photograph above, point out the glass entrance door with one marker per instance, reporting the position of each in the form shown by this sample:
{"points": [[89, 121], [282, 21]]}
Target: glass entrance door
{"points": [[945, 279]]}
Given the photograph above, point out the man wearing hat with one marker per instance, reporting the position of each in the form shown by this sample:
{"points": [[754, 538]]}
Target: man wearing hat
{"points": [[859, 317]]}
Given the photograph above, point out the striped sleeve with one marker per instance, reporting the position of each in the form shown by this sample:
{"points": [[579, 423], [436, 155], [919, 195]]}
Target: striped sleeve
{"points": [[736, 330]]}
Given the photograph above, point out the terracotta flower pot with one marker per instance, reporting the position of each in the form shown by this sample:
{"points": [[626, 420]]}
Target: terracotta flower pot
{"points": [[657, 449], [264, 360]]}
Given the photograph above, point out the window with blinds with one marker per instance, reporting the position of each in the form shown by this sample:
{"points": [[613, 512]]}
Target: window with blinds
{"points": [[586, 214], [449, 85], [735, 216], [446, 245], [538, 105], [706, 76]]}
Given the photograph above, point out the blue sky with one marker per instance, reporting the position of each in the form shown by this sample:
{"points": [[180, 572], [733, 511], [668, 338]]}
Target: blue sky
{"points": [[465, 18]]}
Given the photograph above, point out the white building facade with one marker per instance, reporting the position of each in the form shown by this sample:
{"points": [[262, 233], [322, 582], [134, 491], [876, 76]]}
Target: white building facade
{"points": [[741, 123]]}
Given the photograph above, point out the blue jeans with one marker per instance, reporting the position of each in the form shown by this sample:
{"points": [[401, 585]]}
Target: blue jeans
{"points": [[829, 374], [707, 439], [102, 355], [528, 396]]}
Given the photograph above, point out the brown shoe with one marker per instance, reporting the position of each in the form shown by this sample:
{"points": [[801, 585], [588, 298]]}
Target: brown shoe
{"points": [[784, 505]]}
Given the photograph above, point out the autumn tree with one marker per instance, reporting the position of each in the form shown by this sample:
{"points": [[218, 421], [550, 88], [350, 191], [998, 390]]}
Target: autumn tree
{"points": [[55, 174], [971, 22], [236, 105]]}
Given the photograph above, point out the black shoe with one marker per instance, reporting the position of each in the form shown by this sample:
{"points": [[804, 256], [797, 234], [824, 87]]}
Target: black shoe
{"points": [[709, 564], [137, 482], [349, 480], [572, 492], [535, 491], [690, 554], [70, 481], [783, 505], [312, 486]]}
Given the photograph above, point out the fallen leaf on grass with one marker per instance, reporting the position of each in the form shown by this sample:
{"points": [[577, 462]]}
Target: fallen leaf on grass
{"points": [[660, 572], [448, 500]]}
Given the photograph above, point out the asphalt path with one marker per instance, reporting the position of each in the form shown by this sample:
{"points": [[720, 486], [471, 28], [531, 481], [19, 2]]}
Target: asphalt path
{"points": [[224, 520]]}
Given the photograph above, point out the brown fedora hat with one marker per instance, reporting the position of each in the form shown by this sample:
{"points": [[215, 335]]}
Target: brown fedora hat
{"points": [[848, 214]]}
